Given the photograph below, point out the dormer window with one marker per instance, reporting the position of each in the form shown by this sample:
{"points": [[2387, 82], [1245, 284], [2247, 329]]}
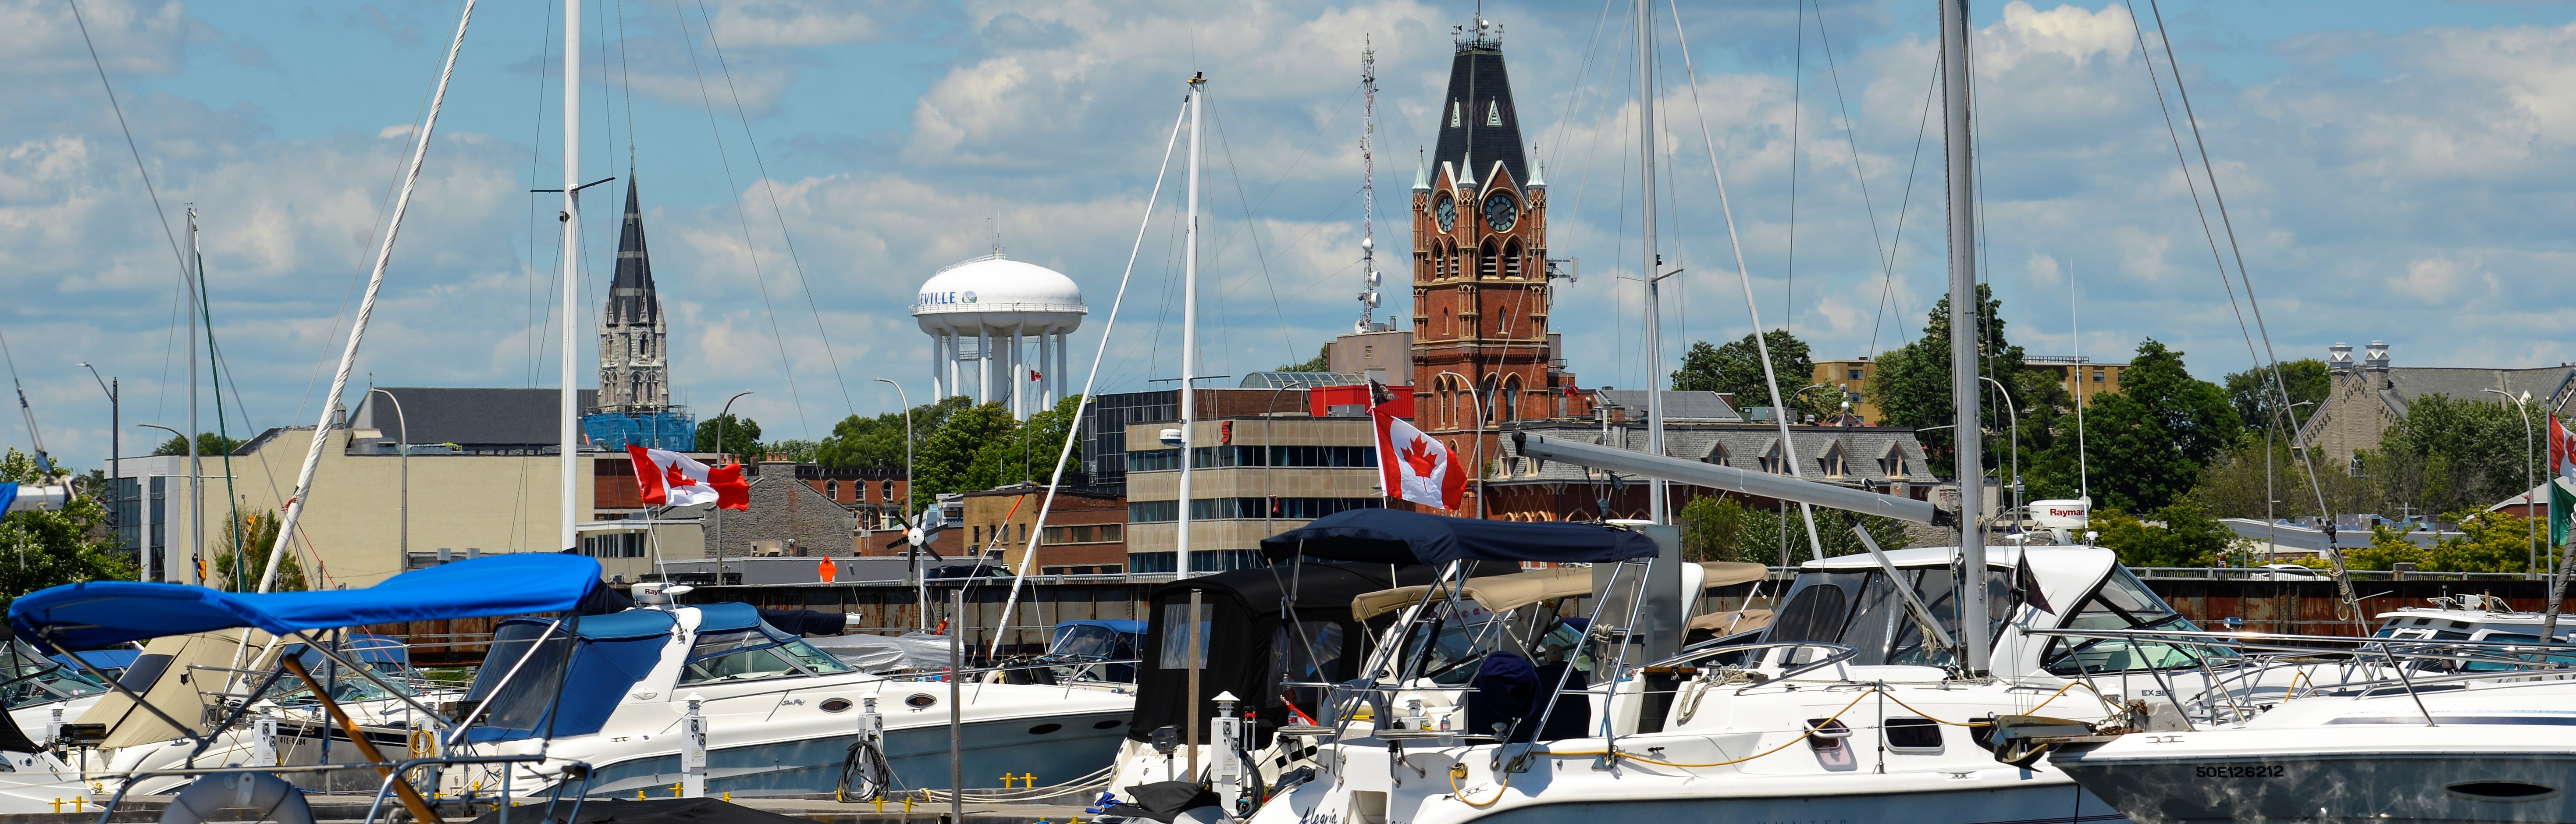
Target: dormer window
{"points": [[1892, 464], [1494, 113], [1771, 461], [1454, 114], [1835, 466]]}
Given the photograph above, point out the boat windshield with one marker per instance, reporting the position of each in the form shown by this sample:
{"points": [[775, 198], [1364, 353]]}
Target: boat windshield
{"points": [[28, 677], [1861, 609], [755, 653], [2124, 603]]}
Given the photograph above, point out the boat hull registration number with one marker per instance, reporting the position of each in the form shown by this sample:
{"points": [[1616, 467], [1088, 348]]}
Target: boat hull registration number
{"points": [[2239, 770]]}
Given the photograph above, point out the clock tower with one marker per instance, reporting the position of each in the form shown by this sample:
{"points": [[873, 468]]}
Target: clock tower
{"points": [[1481, 345]]}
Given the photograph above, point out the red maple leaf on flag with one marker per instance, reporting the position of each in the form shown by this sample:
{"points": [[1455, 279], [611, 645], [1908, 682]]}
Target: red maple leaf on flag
{"points": [[1417, 454]]}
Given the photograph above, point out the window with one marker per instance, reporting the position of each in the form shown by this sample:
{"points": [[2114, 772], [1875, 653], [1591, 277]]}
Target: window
{"points": [[2097, 377], [1153, 460], [1176, 651], [1913, 735], [832, 490], [1493, 113], [885, 491], [1150, 512], [1771, 461], [754, 654], [2123, 602], [1717, 454], [1855, 374], [1085, 534], [1454, 114], [1833, 462], [1486, 259], [1892, 464], [1512, 260]]}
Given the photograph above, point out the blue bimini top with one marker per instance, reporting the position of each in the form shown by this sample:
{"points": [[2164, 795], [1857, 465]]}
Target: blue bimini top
{"points": [[101, 613]]}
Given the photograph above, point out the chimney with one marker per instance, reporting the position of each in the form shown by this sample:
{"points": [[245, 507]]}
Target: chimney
{"points": [[2376, 357], [2339, 357]]}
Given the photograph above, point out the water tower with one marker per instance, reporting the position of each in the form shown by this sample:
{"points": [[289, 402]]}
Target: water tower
{"points": [[1009, 320]]}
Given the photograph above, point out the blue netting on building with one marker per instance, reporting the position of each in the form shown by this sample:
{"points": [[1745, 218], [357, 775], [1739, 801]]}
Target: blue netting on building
{"points": [[674, 429]]}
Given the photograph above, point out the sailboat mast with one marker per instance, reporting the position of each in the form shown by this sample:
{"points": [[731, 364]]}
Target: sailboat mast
{"points": [[1964, 332], [1189, 329], [571, 217], [1649, 261], [196, 472], [1368, 189]]}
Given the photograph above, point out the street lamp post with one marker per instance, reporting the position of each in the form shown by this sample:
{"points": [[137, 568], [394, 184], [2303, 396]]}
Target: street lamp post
{"points": [[721, 420], [115, 495], [2015, 416], [920, 583], [1477, 400], [2530, 480], [402, 433]]}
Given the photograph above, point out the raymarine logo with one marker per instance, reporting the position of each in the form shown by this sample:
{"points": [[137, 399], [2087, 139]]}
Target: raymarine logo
{"points": [[944, 298], [2055, 512]]}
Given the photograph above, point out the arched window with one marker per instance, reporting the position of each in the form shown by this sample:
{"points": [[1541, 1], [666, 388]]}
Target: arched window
{"points": [[1439, 262], [1487, 259], [886, 492], [1454, 270], [1512, 260], [1508, 406], [832, 490], [1834, 465]]}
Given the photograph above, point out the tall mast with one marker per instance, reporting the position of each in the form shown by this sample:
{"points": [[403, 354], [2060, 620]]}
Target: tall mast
{"points": [[1189, 327], [571, 218], [196, 473], [1368, 189], [1964, 333], [1651, 262]]}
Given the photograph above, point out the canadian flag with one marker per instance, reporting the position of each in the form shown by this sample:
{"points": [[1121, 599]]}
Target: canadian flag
{"points": [[1415, 467], [669, 478], [2562, 450]]}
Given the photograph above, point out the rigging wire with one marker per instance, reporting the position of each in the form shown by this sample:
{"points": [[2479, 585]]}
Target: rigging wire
{"points": [[785, 367], [770, 185], [1797, 116], [1904, 205], [1260, 259]]}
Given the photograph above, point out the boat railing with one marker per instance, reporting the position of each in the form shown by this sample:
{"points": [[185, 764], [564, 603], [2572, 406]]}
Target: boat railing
{"points": [[2407, 666], [579, 771]]}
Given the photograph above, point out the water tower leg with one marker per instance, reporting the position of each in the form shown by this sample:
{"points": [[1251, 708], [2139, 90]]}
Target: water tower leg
{"points": [[1019, 376], [1060, 374], [984, 364]]}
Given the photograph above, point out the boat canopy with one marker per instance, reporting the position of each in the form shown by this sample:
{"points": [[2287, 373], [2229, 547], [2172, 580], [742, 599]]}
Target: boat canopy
{"points": [[1388, 536], [101, 613], [1504, 593], [605, 654]]}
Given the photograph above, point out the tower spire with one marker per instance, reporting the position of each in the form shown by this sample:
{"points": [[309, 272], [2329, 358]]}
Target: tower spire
{"points": [[634, 372]]}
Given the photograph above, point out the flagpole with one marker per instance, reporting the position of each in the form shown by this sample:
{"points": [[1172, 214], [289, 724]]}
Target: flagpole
{"points": [[1189, 338], [2557, 578]]}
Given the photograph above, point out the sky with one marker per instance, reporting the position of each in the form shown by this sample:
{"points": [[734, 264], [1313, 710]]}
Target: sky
{"points": [[805, 165]]}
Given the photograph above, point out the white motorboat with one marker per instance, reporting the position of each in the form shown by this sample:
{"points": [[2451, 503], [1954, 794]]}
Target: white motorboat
{"points": [[2463, 725], [781, 717]]}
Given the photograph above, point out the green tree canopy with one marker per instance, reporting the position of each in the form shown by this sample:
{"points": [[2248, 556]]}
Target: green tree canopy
{"points": [[258, 530], [2152, 439], [2184, 535], [2255, 400], [208, 443], [741, 435], [2451, 454], [1737, 368], [1027, 453], [946, 461], [878, 441], [1722, 528], [54, 547], [1912, 388]]}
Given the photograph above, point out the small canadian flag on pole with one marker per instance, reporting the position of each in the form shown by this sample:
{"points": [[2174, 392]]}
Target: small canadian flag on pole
{"points": [[669, 478], [1414, 467]]}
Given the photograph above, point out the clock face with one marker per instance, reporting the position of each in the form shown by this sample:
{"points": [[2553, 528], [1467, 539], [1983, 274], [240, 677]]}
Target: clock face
{"points": [[1445, 210], [1501, 212]]}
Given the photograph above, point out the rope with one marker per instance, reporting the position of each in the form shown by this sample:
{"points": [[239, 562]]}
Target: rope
{"points": [[1085, 784]]}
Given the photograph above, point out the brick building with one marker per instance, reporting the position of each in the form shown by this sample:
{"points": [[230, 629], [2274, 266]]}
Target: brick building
{"points": [[787, 517], [1084, 534]]}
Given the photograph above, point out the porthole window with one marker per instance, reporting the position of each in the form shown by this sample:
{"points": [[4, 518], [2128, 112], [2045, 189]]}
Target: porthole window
{"points": [[921, 701]]}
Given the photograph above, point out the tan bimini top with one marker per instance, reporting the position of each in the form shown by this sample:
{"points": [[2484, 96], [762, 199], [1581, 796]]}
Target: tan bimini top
{"points": [[1502, 593]]}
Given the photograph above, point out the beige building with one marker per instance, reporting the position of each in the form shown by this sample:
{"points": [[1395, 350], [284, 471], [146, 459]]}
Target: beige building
{"points": [[2368, 397], [351, 533], [1255, 477]]}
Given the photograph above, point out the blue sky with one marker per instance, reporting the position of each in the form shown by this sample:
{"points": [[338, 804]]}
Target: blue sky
{"points": [[2394, 171]]}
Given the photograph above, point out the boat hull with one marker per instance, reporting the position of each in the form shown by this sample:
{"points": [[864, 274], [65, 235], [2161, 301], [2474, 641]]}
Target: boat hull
{"points": [[2391, 788], [1078, 745]]}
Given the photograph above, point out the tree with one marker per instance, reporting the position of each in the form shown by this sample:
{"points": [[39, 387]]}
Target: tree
{"points": [[2154, 437], [259, 531], [2235, 485], [741, 435], [208, 443], [797, 450], [1721, 528], [53, 547], [1912, 384], [878, 441], [2252, 394], [2450, 454], [1028, 453], [1736, 368], [2184, 535], [1321, 363], [946, 461]]}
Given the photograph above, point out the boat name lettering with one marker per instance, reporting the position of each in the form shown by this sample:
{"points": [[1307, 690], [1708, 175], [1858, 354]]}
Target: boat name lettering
{"points": [[2239, 771]]}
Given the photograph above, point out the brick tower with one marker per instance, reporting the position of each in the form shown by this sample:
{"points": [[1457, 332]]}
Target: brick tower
{"points": [[1480, 272]]}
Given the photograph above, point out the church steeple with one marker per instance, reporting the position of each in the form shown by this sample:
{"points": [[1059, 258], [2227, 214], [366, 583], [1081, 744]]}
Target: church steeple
{"points": [[634, 372], [1478, 118]]}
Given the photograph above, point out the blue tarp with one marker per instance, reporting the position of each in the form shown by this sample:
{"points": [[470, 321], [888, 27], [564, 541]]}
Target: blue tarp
{"points": [[1388, 536], [578, 677], [101, 613], [726, 617], [1118, 626]]}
